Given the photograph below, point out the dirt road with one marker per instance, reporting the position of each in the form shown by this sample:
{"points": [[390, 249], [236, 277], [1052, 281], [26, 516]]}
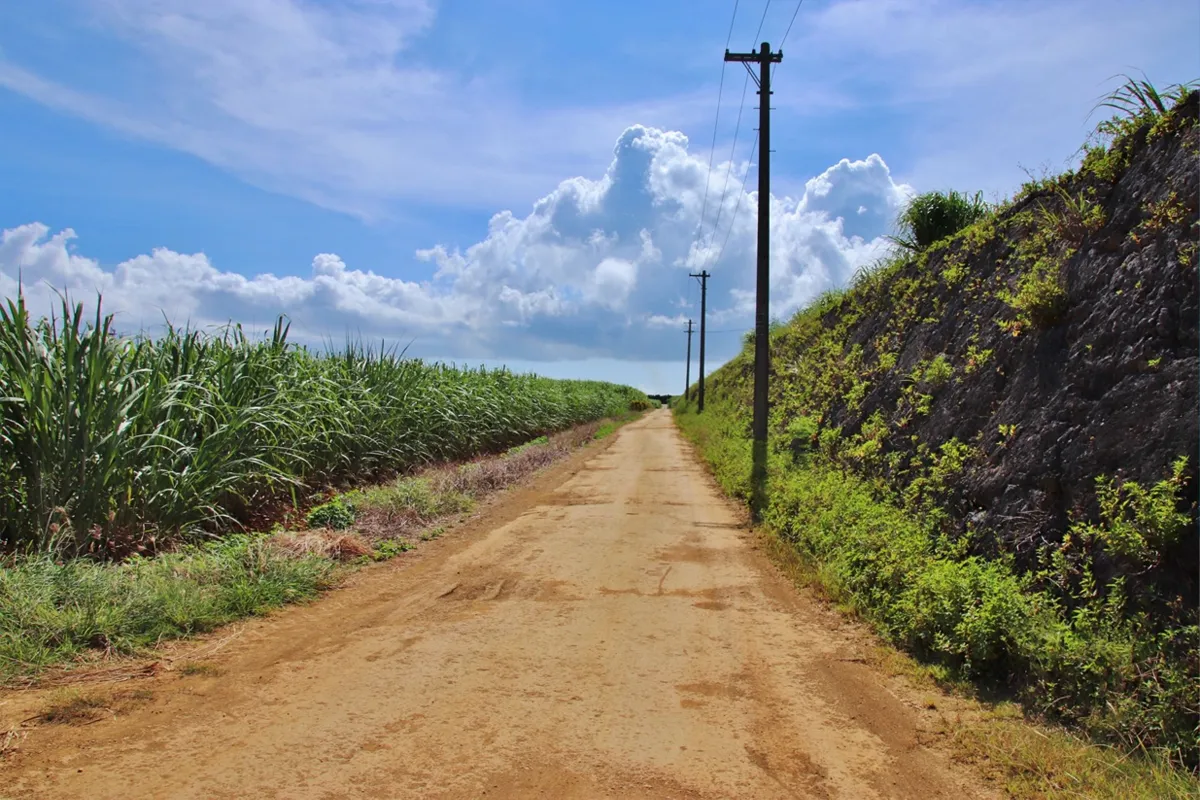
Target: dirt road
{"points": [[608, 631]]}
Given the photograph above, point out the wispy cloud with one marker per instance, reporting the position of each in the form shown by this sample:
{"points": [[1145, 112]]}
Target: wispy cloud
{"points": [[967, 93], [328, 103]]}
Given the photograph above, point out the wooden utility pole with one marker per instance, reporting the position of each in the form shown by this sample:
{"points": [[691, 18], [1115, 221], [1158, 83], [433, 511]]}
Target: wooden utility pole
{"points": [[703, 276], [687, 383], [762, 312]]}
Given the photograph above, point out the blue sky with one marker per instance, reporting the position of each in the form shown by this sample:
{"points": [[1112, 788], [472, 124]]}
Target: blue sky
{"points": [[519, 182]]}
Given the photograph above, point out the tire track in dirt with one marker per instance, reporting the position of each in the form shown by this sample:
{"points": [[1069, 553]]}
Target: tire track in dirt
{"points": [[610, 631]]}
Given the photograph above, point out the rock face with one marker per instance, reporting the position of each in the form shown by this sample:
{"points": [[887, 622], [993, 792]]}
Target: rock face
{"points": [[1092, 372]]}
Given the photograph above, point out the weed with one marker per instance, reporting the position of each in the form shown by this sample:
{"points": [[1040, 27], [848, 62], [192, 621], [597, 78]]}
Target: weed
{"points": [[72, 707], [1135, 522], [198, 668], [390, 548], [1040, 295], [976, 359], [1007, 432], [1167, 212], [433, 533]]}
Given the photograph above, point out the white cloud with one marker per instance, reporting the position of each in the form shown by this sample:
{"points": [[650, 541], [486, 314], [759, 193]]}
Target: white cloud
{"points": [[661, 321], [596, 269]]}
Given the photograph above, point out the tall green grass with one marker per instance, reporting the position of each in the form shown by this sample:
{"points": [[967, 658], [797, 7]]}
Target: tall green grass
{"points": [[51, 612], [934, 216], [111, 444]]}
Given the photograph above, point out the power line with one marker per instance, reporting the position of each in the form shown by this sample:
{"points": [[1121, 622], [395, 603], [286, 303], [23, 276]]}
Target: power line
{"points": [[754, 44], [790, 24], [732, 150], [795, 14], [729, 37], [741, 194], [716, 122]]}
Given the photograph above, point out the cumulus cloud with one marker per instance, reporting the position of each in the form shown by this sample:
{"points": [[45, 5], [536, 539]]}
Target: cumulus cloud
{"points": [[597, 269]]}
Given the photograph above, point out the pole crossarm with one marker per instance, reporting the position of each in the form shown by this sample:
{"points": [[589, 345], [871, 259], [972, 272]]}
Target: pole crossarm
{"points": [[755, 57]]}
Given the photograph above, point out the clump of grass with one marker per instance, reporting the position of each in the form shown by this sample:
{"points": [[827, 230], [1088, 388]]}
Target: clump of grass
{"points": [[432, 533], [1140, 107], [1034, 762], [418, 499], [390, 548], [512, 451], [934, 216]]}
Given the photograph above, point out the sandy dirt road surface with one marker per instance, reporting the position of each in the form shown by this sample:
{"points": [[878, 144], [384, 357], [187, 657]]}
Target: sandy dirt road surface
{"points": [[609, 631]]}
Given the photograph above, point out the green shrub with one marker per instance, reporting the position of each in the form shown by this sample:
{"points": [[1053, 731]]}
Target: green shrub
{"points": [[338, 514]]}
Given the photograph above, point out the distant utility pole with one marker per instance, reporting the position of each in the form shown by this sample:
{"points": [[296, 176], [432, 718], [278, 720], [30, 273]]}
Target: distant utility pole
{"points": [[703, 276], [687, 383], [762, 364]]}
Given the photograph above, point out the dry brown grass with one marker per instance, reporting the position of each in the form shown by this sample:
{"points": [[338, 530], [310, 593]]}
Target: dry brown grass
{"points": [[334, 545], [10, 740], [197, 668], [404, 513]]}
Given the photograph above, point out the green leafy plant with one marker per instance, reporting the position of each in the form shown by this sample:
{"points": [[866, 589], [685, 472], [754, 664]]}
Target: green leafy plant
{"points": [[1007, 432], [976, 358], [338, 514], [390, 548], [1136, 522]]}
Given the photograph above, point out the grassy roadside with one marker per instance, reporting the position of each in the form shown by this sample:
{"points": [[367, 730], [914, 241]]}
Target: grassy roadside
{"points": [[60, 613], [959, 616]]}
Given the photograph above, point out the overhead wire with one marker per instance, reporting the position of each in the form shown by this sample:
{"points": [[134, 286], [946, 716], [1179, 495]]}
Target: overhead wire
{"points": [[716, 123], [741, 194], [786, 33], [732, 151], [733, 147], [766, 8]]}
